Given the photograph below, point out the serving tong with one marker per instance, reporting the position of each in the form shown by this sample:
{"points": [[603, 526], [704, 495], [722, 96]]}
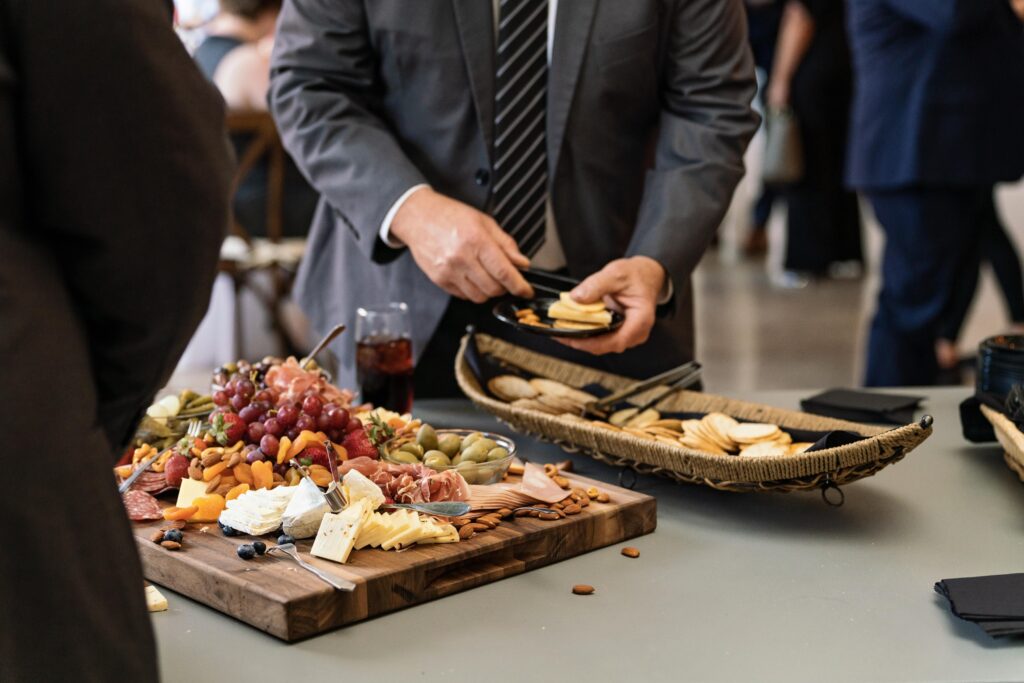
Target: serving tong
{"points": [[676, 379], [551, 283], [193, 431]]}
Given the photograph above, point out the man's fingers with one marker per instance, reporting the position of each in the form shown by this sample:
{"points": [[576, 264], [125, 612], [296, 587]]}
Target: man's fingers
{"points": [[498, 265], [509, 246], [594, 288], [480, 276], [634, 331]]}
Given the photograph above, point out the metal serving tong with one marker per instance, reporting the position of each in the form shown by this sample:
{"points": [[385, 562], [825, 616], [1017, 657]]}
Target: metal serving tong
{"points": [[549, 283], [328, 338], [676, 379]]}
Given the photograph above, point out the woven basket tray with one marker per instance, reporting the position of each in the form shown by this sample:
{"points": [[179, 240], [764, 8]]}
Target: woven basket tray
{"points": [[1010, 438], [815, 470]]}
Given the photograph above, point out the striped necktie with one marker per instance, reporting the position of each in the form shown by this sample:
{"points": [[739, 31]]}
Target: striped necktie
{"points": [[520, 103]]}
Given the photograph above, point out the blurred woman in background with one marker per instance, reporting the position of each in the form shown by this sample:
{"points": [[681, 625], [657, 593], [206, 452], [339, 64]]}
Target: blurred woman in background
{"points": [[812, 75]]}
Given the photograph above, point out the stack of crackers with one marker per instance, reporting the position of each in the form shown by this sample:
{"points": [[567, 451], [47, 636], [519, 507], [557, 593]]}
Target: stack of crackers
{"points": [[568, 314], [715, 433]]}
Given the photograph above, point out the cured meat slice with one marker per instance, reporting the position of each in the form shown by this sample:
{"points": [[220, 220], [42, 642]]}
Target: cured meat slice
{"points": [[141, 506]]}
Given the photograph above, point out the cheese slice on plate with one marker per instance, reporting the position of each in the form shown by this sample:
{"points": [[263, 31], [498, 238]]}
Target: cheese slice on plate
{"points": [[560, 311], [338, 532], [566, 299], [189, 490]]}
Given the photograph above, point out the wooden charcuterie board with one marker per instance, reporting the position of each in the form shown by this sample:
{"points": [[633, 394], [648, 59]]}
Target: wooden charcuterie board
{"points": [[277, 596]]}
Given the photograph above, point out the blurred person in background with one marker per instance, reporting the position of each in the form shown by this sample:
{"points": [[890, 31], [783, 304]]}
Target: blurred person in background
{"points": [[763, 19], [235, 55], [114, 174], [937, 121], [812, 75], [997, 249]]}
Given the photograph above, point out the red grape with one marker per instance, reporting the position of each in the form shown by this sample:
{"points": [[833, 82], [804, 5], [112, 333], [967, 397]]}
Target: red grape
{"points": [[238, 402], [339, 418], [312, 406], [230, 390], [293, 434], [353, 425], [256, 456], [336, 435], [323, 422], [221, 398], [269, 444], [306, 423], [245, 388], [288, 415], [249, 413], [273, 427], [263, 395], [256, 432]]}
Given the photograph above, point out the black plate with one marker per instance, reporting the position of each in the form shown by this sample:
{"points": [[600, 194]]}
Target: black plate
{"points": [[505, 311]]}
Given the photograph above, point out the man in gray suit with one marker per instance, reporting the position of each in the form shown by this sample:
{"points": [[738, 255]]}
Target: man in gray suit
{"points": [[456, 141]]}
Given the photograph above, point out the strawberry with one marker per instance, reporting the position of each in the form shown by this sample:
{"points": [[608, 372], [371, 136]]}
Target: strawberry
{"points": [[358, 444], [227, 428], [317, 454]]}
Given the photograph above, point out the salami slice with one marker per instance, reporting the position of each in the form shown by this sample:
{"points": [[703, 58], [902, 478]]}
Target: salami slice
{"points": [[151, 482], [141, 506]]}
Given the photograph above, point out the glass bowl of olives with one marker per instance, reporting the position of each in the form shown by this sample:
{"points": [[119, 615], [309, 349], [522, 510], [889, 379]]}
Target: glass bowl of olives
{"points": [[480, 457]]}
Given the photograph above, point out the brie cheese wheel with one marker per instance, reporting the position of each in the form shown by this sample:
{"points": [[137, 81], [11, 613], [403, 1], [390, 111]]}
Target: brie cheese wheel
{"points": [[338, 532], [357, 486], [258, 512], [305, 511]]}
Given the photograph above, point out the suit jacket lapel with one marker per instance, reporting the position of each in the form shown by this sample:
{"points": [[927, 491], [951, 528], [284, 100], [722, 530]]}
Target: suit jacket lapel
{"points": [[572, 33], [476, 31]]}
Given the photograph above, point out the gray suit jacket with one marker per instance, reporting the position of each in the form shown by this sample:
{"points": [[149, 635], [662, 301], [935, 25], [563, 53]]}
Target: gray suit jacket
{"points": [[648, 118]]}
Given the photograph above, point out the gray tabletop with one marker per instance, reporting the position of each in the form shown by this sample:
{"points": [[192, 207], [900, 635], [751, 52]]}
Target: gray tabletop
{"points": [[731, 587]]}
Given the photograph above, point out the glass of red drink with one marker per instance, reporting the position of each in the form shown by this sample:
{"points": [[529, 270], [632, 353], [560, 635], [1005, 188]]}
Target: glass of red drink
{"points": [[384, 362]]}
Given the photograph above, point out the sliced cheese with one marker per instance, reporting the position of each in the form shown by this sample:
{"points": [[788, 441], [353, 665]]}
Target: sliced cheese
{"points": [[408, 531], [338, 532], [189, 490], [560, 311], [155, 601], [356, 486], [566, 299]]}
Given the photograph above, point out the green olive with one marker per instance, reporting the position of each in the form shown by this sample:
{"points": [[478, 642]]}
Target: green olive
{"points": [[413, 448], [450, 444], [231, 368], [471, 439], [427, 438], [488, 474], [436, 459], [469, 472], [498, 453], [476, 452], [457, 459], [404, 457], [490, 443]]}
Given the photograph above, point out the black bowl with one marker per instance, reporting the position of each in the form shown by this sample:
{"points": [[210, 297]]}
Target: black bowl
{"points": [[505, 311]]}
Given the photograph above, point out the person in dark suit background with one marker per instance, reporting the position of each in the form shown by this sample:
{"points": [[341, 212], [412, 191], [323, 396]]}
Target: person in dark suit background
{"points": [[446, 162], [937, 114], [114, 178]]}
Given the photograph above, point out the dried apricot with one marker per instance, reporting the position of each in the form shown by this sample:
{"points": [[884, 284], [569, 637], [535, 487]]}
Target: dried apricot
{"points": [[320, 475], [208, 507], [243, 473], [213, 470], [292, 477], [340, 451], [236, 491], [305, 438], [175, 513], [282, 449], [262, 474]]}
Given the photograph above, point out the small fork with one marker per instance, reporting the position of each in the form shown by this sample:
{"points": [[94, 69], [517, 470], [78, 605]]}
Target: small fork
{"points": [[195, 428]]}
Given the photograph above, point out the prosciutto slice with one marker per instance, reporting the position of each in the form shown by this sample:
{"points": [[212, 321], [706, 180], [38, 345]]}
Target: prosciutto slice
{"points": [[292, 383], [410, 483]]}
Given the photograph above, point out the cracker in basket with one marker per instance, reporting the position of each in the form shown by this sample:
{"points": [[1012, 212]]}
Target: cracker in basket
{"points": [[799, 447], [605, 425], [720, 424], [510, 388], [573, 417], [560, 403], [764, 449], [553, 388], [673, 425], [706, 432], [753, 432], [639, 433], [698, 444], [641, 420], [533, 404], [667, 440], [620, 417]]}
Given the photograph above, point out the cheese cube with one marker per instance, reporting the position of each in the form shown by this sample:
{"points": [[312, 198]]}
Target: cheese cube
{"points": [[189, 490]]}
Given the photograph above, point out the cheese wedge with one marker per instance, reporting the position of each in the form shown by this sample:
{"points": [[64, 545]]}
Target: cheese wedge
{"points": [[305, 511], [338, 532], [576, 306], [559, 311], [189, 490], [155, 601]]}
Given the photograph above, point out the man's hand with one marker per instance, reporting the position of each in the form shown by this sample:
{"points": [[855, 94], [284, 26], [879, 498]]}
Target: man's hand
{"points": [[1018, 8], [462, 250], [631, 286]]}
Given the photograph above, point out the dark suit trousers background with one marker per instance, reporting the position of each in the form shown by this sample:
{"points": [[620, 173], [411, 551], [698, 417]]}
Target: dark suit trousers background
{"points": [[931, 244]]}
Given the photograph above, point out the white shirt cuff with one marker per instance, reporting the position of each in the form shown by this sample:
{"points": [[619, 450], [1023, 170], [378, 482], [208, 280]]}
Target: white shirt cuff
{"points": [[385, 226], [666, 291]]}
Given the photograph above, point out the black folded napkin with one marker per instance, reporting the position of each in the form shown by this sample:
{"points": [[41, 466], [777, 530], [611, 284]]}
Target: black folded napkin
{"points": [[863, 406], [995, 603]]}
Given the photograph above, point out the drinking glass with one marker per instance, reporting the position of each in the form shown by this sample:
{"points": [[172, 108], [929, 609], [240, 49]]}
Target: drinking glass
{"points": [[384, 361]]}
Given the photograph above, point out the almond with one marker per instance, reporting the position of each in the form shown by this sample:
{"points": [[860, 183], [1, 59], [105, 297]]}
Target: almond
{"points": [[195, 473], [234, 460], [561, 481], [157, 536], [593, 493], [466, 532], [505, 512], [522, 512], [582, 589], [631, 552], [214, 483], [603, 497], [548, 516], [170, 545], [573, 509], [212, 457]]}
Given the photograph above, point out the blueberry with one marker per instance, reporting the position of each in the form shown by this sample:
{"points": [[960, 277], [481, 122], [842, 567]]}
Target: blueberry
{"points": [[226, 530], [285, 538], [173, 535], [246, 551], [260, 547]]}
